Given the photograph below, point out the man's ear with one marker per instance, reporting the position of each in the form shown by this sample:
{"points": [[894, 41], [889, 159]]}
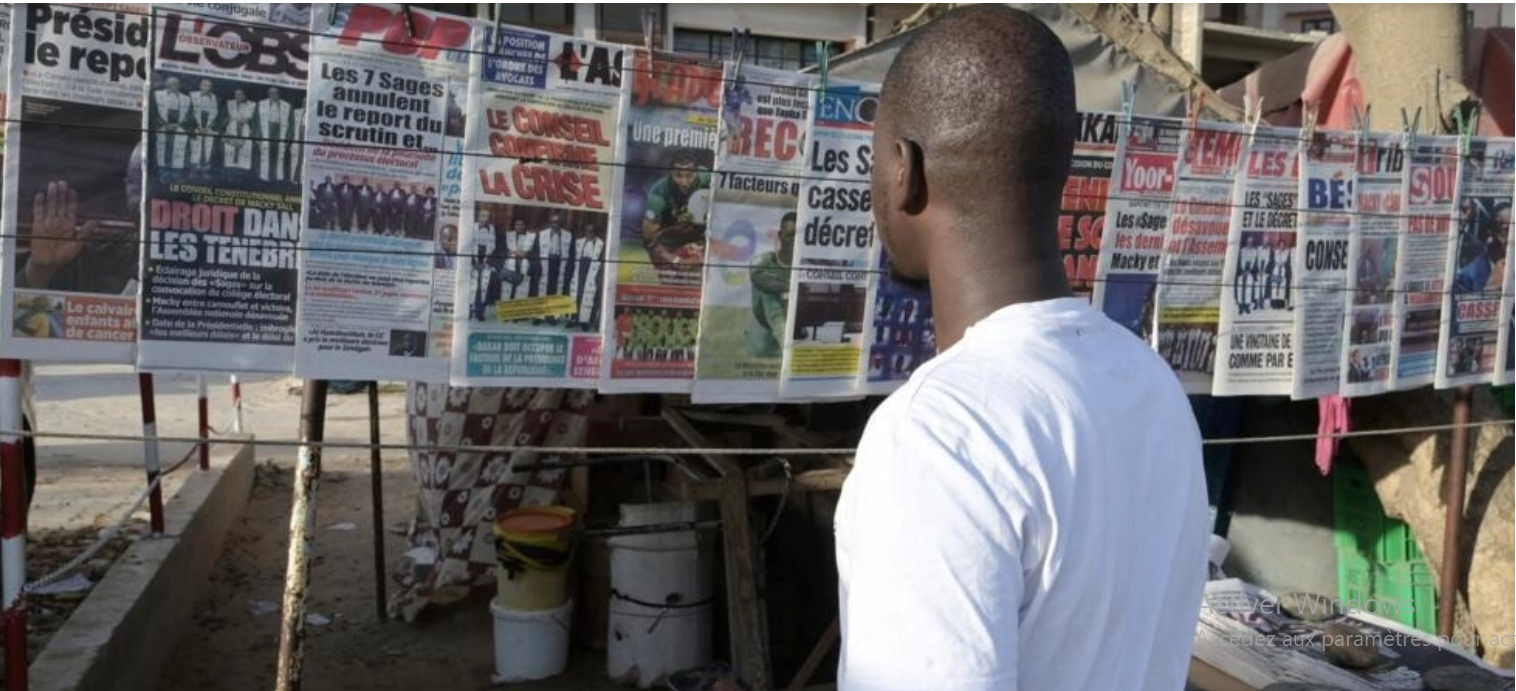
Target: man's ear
{"points": [[910, 178]]}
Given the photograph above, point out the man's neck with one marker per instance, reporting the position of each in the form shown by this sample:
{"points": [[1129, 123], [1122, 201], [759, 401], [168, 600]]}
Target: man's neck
{"points": [[970, 285]]}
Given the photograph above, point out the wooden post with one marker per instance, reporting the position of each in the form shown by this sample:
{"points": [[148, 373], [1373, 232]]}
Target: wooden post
{"points": [[1453, 486], [302, 532], [376, 481], [748, 632]]}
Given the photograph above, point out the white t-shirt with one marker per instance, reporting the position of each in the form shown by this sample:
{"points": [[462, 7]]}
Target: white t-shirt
{"points": [[1027, 512]]}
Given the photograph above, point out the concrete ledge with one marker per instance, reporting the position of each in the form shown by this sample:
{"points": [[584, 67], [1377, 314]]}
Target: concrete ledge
{"points": [[118, 637]]}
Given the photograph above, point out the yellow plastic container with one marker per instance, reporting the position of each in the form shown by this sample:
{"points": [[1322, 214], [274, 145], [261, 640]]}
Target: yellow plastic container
{"points": [[534, 547]]}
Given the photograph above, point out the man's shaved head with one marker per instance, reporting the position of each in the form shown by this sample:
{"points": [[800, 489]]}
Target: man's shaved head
{"points": [[976, 128]]}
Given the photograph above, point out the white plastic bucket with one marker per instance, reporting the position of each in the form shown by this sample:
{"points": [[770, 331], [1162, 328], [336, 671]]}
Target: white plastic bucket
{"points": [[531, 645], [646, 642]]}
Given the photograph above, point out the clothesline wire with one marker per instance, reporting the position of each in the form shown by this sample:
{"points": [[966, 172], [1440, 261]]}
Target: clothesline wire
{"points": [[717, 451], [1264, 132], [1124, 280], [625, 165]]}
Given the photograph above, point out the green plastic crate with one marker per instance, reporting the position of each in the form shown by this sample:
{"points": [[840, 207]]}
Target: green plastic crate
{"points": [[1379, 565]]}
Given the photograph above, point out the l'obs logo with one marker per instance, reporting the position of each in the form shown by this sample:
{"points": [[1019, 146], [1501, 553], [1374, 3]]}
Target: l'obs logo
{"points": [[254, 49]]}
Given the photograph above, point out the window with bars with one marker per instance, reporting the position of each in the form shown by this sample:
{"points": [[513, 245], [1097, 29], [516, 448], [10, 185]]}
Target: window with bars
{"points": [[554, 17], [1325, 25], [623, 23], [767, 51]]}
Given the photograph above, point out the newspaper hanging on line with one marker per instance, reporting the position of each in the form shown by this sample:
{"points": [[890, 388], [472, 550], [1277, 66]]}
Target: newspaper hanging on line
{"points": [[1244, 632], [1082, 221], [1194, 252], [899, 328], [73, 182], [386, 103], [1505, 372], [1475, 265], [536, 198], [1369, 323], [225, 118], [1431, 206], [753, 223], [823, 346], [1141, 200], [666, 148], [1255, 352], [1328, 178]]}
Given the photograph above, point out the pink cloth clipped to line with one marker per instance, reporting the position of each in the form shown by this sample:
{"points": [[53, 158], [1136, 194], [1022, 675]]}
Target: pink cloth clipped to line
{"points": [[1335, 419]]}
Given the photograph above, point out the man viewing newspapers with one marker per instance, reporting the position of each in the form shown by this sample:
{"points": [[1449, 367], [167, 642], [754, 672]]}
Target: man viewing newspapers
{"points": [[1036, 489]]}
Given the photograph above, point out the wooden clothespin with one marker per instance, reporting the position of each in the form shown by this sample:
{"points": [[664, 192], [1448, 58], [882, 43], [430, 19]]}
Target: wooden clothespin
{"points": [[823, 64], [1361, 118], [1254, 117], [1308, 116], [1193, 102], [410, 24], [1128, 100], [331, 13], [649, 27], [1412, 127]]}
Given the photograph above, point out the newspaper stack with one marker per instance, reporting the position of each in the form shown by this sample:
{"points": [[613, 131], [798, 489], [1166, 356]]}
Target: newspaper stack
{"points": [[1243, 632]]}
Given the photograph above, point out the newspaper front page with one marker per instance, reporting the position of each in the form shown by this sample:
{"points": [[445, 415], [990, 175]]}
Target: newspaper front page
{"points": [[667, 148], [753, 226], [1505, 372], [1369, 321], [1255, 351], [225, 118], [1194, 252], [1244, 632], [899, 327], [1471, 316], [385, 105], [823, 347], [73, 182], [1142, 197], [1431, 206], [1082, 223], [1328, 176], [536, 203]]}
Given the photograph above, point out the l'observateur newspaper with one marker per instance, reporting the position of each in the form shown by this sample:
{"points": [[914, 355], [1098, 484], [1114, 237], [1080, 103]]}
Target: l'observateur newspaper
{"points": [[1476, 266], [386, 100], [823, 345], [222, 213], [667, 145], [73, 182], [535, 210]]}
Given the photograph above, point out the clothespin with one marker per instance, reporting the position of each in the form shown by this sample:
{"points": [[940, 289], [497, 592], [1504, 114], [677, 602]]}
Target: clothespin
{"points": [[823, 66], [1361, 118], [331, 13], [1412, 127], [1128, 100], [1465, 130], [410, 24], [1310, 113], [739, 47], [1254, 117], [1193, 103], [649, 25], [496, 37]]}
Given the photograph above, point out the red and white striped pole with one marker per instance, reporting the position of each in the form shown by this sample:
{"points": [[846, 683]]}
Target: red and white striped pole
{"points": [[150, 451], [236, 405], [13, 526], [204, 405]]}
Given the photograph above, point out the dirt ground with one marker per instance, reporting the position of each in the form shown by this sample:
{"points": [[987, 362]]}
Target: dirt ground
{"points": [[230, 647]]}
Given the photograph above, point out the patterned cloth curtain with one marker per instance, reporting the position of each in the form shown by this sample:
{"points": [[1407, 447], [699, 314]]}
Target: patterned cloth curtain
{"points": [[460, 493]]}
